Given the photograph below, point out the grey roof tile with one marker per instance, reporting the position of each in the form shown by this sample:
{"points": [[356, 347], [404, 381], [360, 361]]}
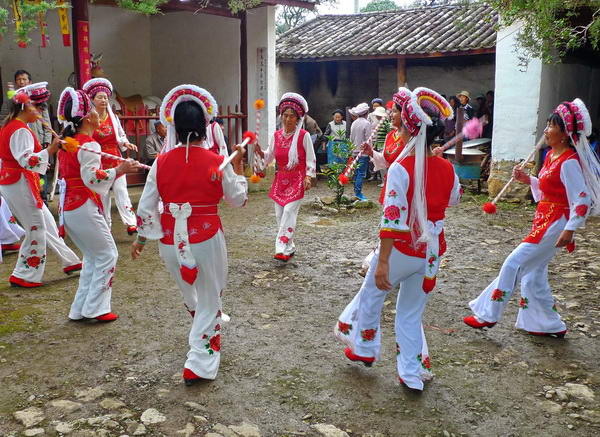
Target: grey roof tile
{"points": [[404, 32]]}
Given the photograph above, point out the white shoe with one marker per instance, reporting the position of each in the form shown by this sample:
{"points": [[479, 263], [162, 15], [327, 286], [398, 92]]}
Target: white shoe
{"points": [[225, 318]]}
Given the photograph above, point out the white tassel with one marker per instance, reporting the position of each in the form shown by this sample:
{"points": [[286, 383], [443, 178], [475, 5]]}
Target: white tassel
{"points": [[293, 152], [418, 208], [590, 167]]}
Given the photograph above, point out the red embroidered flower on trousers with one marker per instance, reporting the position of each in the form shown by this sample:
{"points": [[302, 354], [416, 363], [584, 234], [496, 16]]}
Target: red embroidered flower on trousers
{"points": [[368, 334], [215, 342], [498, 295], [581, 210], [101, 175], [284, 239], [34, 261], [344, 328]]}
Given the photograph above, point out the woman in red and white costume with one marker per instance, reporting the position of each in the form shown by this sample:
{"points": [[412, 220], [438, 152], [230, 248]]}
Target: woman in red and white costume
{"points": [[112, 139], [215, 140], [395, 140], [567, 189], [23, 160], [192, 244], [83, 183], [292, 149], [10, 231], [420, 187]]}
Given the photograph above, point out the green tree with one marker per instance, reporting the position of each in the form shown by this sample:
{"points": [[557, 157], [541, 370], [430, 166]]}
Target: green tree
{"points": [[380, 5], [30, 12], [289, 17], [551, 28]]}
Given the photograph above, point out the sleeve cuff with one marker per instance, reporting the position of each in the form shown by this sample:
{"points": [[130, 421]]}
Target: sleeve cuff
{"points": [[394, 234]]}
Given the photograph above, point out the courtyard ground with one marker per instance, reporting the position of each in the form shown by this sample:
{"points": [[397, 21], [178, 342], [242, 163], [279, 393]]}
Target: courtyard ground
{"points": [[281, 369]]}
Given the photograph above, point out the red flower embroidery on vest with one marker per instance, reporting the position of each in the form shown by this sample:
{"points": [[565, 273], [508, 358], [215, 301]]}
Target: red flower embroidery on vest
{"points": [[368, 334], [581, 210], [498, 295], [344, 328]]}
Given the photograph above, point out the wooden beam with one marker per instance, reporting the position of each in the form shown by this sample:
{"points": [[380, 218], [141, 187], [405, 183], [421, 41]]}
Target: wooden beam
{"points": [[401, 79], [244, 69], [79, 13], [487, 51]]}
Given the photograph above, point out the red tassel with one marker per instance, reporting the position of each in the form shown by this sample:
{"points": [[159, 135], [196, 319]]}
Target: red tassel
{"points": [[67, 40], [343, 179], [61, 231], [489, 208], [250, 135], [571, 247], [429, 284], [188, 275]]}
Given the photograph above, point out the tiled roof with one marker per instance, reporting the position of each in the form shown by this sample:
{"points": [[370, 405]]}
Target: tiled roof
{"points": [[441, 29]]}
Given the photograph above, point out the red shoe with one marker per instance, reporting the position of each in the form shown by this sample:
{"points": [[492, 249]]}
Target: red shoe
{"points": [[474, 323], [560, 334], [367, 361], [18, 282], [192, 313], [190, 377], [108, 317], [74, 268], [282, 257], [131, 230], [11, 247]]}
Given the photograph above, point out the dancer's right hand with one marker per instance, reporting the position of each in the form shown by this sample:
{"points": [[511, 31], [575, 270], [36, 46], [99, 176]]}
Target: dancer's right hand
{"points": [[126, 167], [520, 175], [382, 275], [136, 249], [366, 149]]}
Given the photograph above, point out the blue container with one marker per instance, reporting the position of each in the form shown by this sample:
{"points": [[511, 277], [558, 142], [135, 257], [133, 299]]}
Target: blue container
{"points": [[467, 171]]}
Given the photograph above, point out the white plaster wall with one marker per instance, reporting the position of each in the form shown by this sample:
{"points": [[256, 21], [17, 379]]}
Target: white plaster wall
{"points": [[122, 36], [516, 101], [198, 49], [261, 33]]}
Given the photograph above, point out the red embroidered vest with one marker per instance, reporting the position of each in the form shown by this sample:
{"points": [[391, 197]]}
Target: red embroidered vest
{"points": [[106, 136], [11, 170], [288, 185], [554, 203], [394, 145], [192, 182], [438, 188], [70, 170]]}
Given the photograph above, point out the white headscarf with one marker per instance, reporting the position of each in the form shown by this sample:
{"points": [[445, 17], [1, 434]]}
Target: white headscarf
{"points": [[301, 108]]}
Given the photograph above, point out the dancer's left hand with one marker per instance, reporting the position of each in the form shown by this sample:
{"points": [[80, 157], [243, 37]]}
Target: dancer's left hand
{"points": [[136, 250], [565, 238], [131, 147], [307, 183]]}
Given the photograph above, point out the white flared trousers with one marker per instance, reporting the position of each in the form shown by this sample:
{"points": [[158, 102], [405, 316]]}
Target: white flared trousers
{"points": [[88, 229], [203, 297], [40, 230], [527, 265], [359, 325], [122, 200], [286, 222]]}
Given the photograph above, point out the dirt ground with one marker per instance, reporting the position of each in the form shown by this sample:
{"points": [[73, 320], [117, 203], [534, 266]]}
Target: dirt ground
{"points": [[281, 368]]}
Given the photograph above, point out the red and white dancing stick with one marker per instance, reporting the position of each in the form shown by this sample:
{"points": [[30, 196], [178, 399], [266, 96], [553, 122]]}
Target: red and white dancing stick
{"points": [[472, 129], [490, 207], [344, 178], [249, 137], [259, 104], [71, 145]]}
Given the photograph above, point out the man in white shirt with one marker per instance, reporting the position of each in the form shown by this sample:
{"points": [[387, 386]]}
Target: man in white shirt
{"points": [[360, 131]]}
